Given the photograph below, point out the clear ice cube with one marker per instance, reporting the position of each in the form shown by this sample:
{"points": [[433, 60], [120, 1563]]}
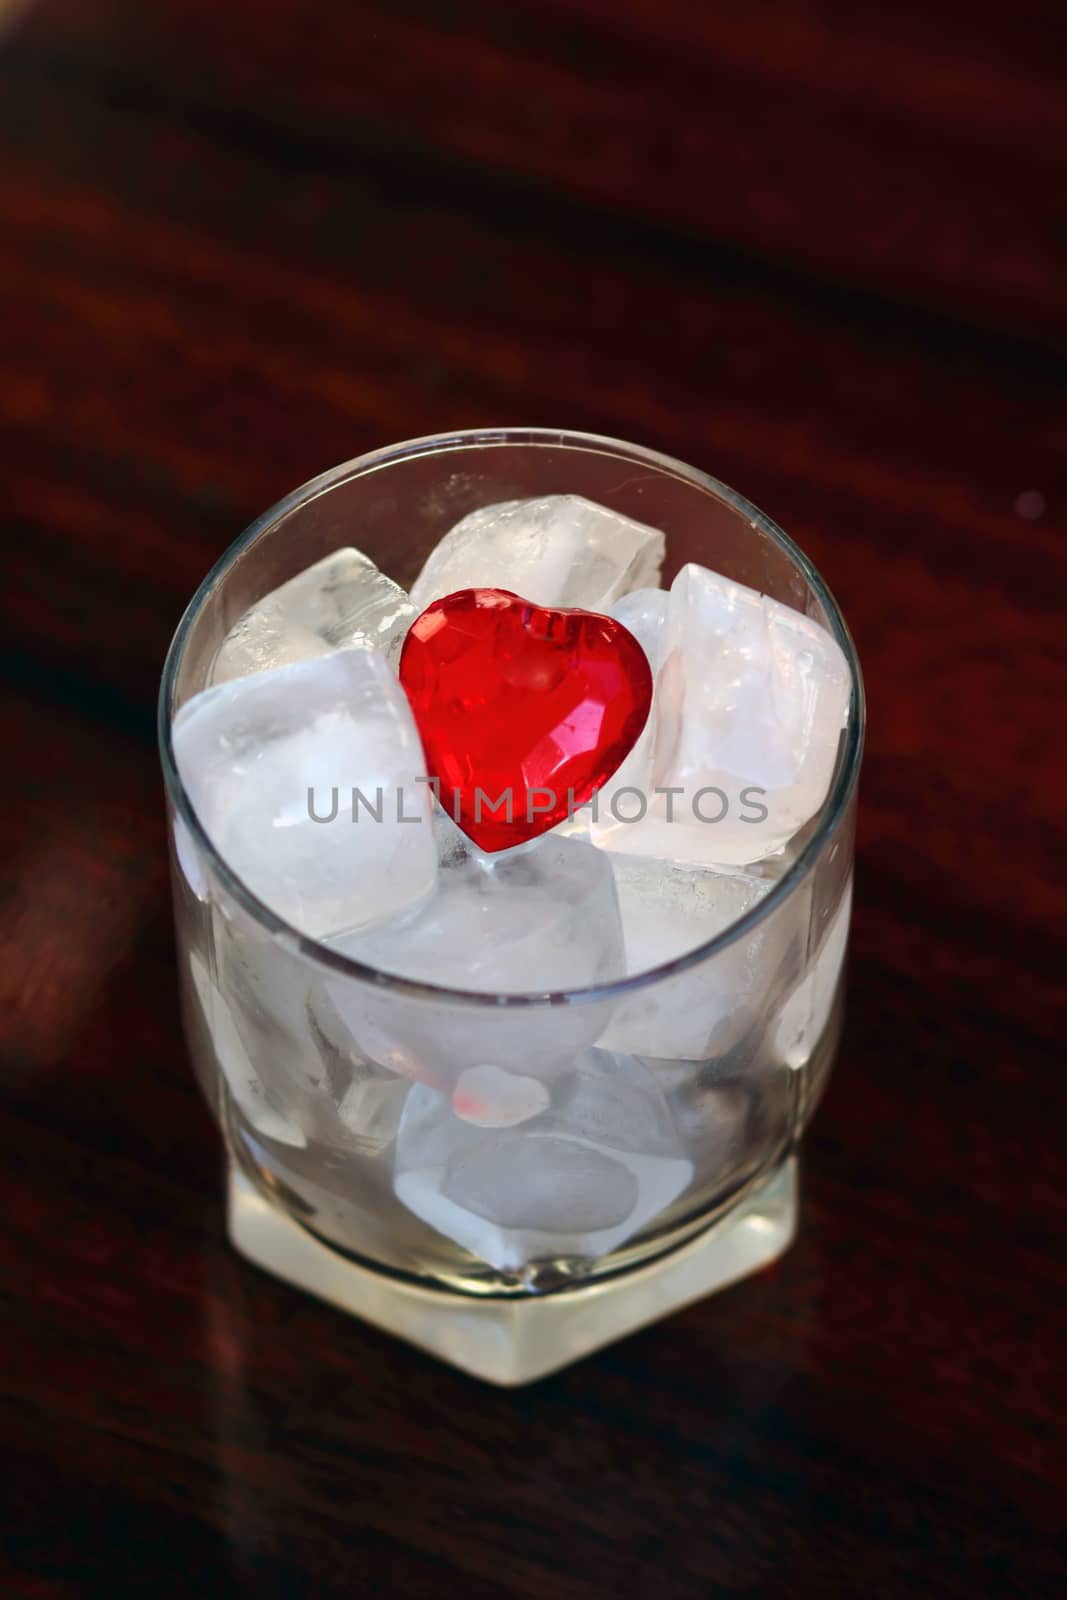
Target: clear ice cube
{"points": [[750, 701], [235, 1064], [561, 550], [535, 919], [272, 764], [807, 1011], [341, 602], [530, 921], [344, 1063], [371, 1109], [713, 1116], [189, 862], [669, 910], [266, 981], [644, 613], [575, 1182], [302, 1053], [267, 989], [370, 1098]]}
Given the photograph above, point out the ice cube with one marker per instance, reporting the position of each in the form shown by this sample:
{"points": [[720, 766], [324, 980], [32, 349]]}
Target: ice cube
{"points": [[575, 1182], [669, 910], [372, 1108], [331, 1040], [561, 550], [534, 920], [266, 981], [305, 779], [266, 985], [235, 1064], [342, 601], [370, 1098], [189, 863], [735, 1112], [645, 613], [714, 1116], [344, 1063], [302, 1053], [750, 701], [807, 1011]]}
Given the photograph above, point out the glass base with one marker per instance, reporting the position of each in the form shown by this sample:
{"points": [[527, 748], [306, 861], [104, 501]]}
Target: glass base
{"points": [[510, 1341]]}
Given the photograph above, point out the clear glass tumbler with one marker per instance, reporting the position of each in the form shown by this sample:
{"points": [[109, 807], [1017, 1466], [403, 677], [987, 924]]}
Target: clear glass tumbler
{"points": [[677, 1096]]}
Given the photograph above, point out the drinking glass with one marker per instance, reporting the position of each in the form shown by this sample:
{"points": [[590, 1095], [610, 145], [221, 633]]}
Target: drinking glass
{"points": [[665, 1165]]}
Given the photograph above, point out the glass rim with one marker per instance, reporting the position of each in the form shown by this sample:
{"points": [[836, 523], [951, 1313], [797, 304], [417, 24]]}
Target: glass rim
{"points": [[830, 815]]}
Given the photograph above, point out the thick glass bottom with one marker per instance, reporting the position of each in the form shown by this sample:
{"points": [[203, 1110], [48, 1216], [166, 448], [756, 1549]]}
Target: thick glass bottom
{"points": [[507, 1340]]}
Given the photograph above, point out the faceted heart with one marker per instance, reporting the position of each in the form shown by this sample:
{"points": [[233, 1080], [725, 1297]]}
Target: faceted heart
{"points": [[523, 711]]}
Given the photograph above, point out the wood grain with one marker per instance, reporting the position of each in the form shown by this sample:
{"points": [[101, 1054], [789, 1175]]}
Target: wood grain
{"points": [[817, 249]]}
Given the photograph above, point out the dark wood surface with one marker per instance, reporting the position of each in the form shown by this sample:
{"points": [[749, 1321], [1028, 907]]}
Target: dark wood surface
{"points": [[817, 248]]}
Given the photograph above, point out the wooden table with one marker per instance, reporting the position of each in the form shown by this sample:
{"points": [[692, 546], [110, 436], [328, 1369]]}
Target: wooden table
{"points": [[817, 249]]}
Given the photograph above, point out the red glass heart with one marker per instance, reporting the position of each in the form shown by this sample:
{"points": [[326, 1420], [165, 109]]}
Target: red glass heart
{"points": [[517, 700]]}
